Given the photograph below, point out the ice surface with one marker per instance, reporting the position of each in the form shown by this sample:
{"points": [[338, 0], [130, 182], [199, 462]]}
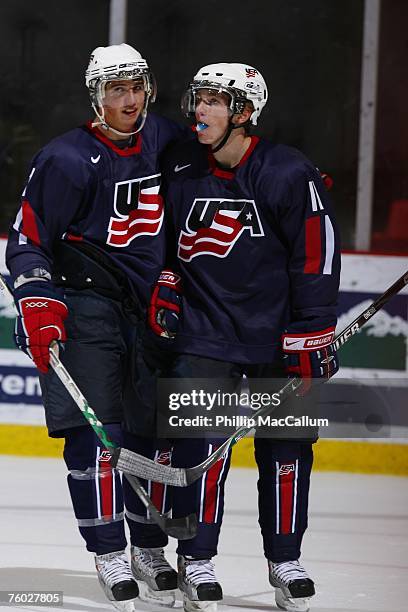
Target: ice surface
{"points": [[356, 548]]}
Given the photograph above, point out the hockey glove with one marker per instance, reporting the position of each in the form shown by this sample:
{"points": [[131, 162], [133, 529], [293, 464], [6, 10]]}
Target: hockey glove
{"points": [[327, 180], [165, 303], [40, 320], [310, 355]]}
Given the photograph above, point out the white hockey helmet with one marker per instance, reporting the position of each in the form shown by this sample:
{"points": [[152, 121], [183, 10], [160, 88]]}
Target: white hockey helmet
{"points": [[241, 82], [117, 62]]}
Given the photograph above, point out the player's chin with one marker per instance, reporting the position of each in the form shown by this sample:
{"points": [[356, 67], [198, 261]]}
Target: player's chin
{"points": [[128, 120], [206, 136]]}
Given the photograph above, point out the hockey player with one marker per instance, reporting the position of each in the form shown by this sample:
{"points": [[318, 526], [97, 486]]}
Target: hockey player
{"points": [[84, 252], [258, 253]]}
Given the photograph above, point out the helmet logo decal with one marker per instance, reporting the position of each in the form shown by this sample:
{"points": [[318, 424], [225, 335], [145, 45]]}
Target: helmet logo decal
{"points": [[138, 208], [213, 226], [251, 73]]}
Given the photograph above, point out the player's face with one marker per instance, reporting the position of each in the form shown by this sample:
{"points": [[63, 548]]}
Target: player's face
{"points": [[212, 108], [123, 103]]}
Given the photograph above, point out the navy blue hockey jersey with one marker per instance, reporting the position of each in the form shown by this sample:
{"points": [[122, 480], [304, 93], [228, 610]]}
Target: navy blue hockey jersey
{"points": [[257, 247], [83, 187]]}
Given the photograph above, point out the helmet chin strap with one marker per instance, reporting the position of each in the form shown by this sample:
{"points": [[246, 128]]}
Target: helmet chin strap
{"points": [[227, 134]]}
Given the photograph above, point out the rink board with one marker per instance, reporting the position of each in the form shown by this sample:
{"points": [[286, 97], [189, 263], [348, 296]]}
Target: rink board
{"points": [[379, 352], [329, 455]]}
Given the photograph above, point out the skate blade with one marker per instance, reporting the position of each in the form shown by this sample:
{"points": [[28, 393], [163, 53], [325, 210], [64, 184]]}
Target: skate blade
{"points": [[124, 606], [290, 604], [166, 599], [198, 606]]}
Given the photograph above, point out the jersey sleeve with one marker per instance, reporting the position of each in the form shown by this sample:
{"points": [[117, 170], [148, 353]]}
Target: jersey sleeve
{"points": [[49, 202], [310, 232]]}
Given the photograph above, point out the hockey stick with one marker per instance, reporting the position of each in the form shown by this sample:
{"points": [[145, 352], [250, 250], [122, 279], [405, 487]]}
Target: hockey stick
{"points": [[182, 477], [182, 528]]}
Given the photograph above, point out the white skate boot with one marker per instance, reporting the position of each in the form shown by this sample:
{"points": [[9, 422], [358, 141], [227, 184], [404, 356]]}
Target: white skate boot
{"points": [[116, 580], [198, 583], [157, 580], [293, 587]]}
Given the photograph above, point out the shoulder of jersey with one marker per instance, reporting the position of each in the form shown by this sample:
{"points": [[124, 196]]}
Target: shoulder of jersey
{"points": [[288, 161], [75, 149]]}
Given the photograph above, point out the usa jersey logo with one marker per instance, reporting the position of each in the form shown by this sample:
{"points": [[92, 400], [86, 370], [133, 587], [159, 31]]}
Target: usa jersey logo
{"points": [[139, 210], [213, 226]]}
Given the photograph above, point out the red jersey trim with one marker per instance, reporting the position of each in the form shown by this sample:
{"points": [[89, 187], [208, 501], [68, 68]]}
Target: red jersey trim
{"points": [[29, 225], [229, 174], [313, 246], [137, 147]]}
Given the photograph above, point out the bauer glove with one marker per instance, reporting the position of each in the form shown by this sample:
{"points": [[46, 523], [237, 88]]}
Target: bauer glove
{"points": [[164, 309], [40, 320], [310, 355]]}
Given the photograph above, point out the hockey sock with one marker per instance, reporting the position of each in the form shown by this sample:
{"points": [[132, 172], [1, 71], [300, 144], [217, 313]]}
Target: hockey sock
{"points": [[283, 491], [205, 497], [144, 533], [96, 489]]}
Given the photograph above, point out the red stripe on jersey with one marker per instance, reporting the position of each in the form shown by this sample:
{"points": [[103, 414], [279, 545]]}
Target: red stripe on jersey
{"points": [[201, 241], [204, 247], [225, 174], [135, 230], [211, 491], [216, 234], [29, 226], [286, 499], [230, 174], [254, 142], [151, 198], [106, 489], [313, 247]]}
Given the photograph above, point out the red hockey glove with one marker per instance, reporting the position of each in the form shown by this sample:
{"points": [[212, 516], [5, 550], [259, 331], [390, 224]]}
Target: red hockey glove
{"points": [[40, 320], [327, 180], [165, 303], [310, 355]]}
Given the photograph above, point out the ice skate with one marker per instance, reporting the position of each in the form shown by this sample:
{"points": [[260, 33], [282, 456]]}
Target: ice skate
{"points": [[117, 580], [198, 583], [293, 587], [157, 580]]}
